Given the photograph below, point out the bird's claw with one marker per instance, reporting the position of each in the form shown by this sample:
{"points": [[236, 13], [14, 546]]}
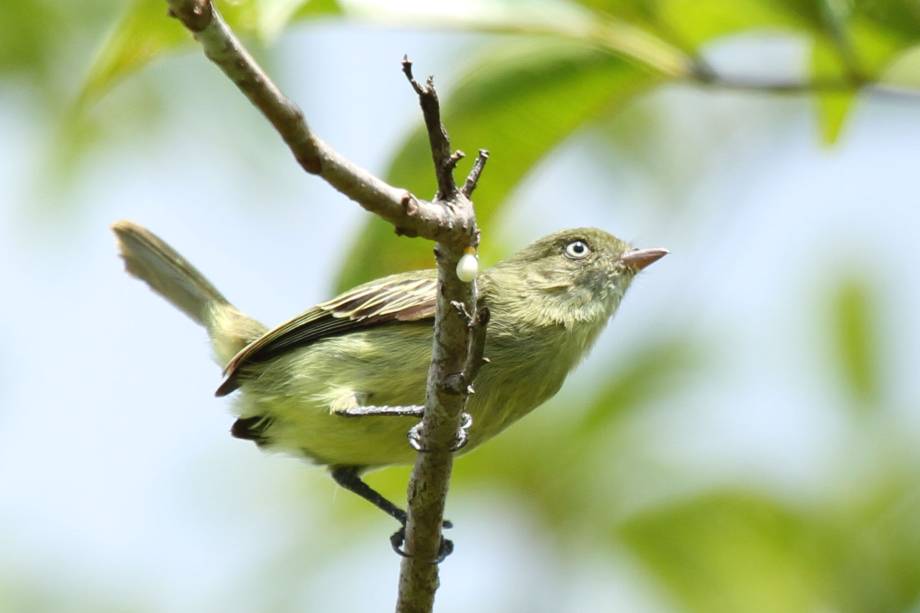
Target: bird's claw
{"points": [[446, 548], [396, 541], [399, 537], [463, 435]]}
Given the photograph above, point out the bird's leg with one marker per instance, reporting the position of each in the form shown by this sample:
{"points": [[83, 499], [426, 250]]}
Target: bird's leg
{"points": [[349, 477], [362, 411], [463, 435], [356, 410]]}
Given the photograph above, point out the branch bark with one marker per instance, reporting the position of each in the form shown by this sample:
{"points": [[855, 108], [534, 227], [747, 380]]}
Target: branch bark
{"points": [[449, 220]]}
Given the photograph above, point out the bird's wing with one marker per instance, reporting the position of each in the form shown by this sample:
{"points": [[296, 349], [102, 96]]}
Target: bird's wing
{"points": [[397, 298]]}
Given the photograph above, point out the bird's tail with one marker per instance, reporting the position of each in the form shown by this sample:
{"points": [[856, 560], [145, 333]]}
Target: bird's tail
{"points": [[154, 262]]}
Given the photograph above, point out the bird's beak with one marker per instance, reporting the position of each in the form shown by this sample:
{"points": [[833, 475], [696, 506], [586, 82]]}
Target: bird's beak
{"points": [[640, 258]]}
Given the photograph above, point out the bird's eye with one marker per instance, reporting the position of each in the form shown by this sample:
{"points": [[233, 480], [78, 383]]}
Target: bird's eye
{"points": [[576, 250]]}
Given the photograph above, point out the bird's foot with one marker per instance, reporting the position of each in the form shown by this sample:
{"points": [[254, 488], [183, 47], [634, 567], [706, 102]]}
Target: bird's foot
{"points": [[463, 434], [398, 538]]}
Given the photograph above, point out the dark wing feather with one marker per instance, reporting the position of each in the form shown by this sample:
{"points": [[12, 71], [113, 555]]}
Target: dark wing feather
{"points": [[404, 297]]}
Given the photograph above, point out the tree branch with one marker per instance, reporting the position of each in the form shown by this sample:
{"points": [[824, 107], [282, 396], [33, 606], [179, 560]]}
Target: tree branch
{"points": [[428, 485], [449, 220], [444, 162], [791, 87], [472, 180], [411, 216]]}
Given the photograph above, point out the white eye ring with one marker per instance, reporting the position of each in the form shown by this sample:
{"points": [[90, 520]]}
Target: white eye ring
{"points": [[577, 250]]}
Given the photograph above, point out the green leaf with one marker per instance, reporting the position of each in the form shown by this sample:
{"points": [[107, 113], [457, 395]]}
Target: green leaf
{"points": [[877, 541], [638, 11], [904, 69], [509, 16], [143, 33], [876, 46], [26, 41], [519, 104], [693, 23], [553, 18], [855, 340], [832, 107], [732, 551], [899, 18], [42, 40], [698, 22], [275, 15], [729, 550], [644, 375], [852, 47]]}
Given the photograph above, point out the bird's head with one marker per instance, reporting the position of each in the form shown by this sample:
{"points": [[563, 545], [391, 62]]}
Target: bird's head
{"points": [[575, 275]]}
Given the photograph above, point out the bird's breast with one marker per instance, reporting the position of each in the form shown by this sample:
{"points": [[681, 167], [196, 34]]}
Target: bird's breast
{"points": [[524, 371]]}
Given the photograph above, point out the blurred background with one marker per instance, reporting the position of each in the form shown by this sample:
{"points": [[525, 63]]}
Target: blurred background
{"points": [[745, 436]]}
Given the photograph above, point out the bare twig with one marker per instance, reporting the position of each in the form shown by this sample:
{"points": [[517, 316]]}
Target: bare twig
{"points": [[475, 357], [777, 86], [472, 180], [437, 135], [462, 382], [449, 220], [455, 157]]}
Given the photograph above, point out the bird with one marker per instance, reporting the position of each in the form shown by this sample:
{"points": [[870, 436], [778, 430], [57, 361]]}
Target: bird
{"points": [[342, 383]]}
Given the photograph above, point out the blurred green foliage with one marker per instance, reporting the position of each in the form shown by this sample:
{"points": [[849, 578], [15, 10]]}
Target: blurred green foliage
{"points": [[832, 106], [143, 33], [763, 555], [856, 342], [713, 549], [592, 54]]}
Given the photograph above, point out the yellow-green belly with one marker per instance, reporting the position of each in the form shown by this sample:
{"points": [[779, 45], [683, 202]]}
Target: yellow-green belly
{"points": [[385, 366]]}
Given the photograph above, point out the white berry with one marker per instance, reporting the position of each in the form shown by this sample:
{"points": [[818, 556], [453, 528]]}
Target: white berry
{"points": [[467, 267]]}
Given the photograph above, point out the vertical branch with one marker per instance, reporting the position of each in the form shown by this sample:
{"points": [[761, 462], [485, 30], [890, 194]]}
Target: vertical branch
{"points": [[430, 479], [454, 343], [444, 162], [428, 486], [449, 220]]}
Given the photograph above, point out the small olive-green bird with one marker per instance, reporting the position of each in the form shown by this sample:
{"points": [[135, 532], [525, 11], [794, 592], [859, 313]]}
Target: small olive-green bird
{"points": [[342, 383]]}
